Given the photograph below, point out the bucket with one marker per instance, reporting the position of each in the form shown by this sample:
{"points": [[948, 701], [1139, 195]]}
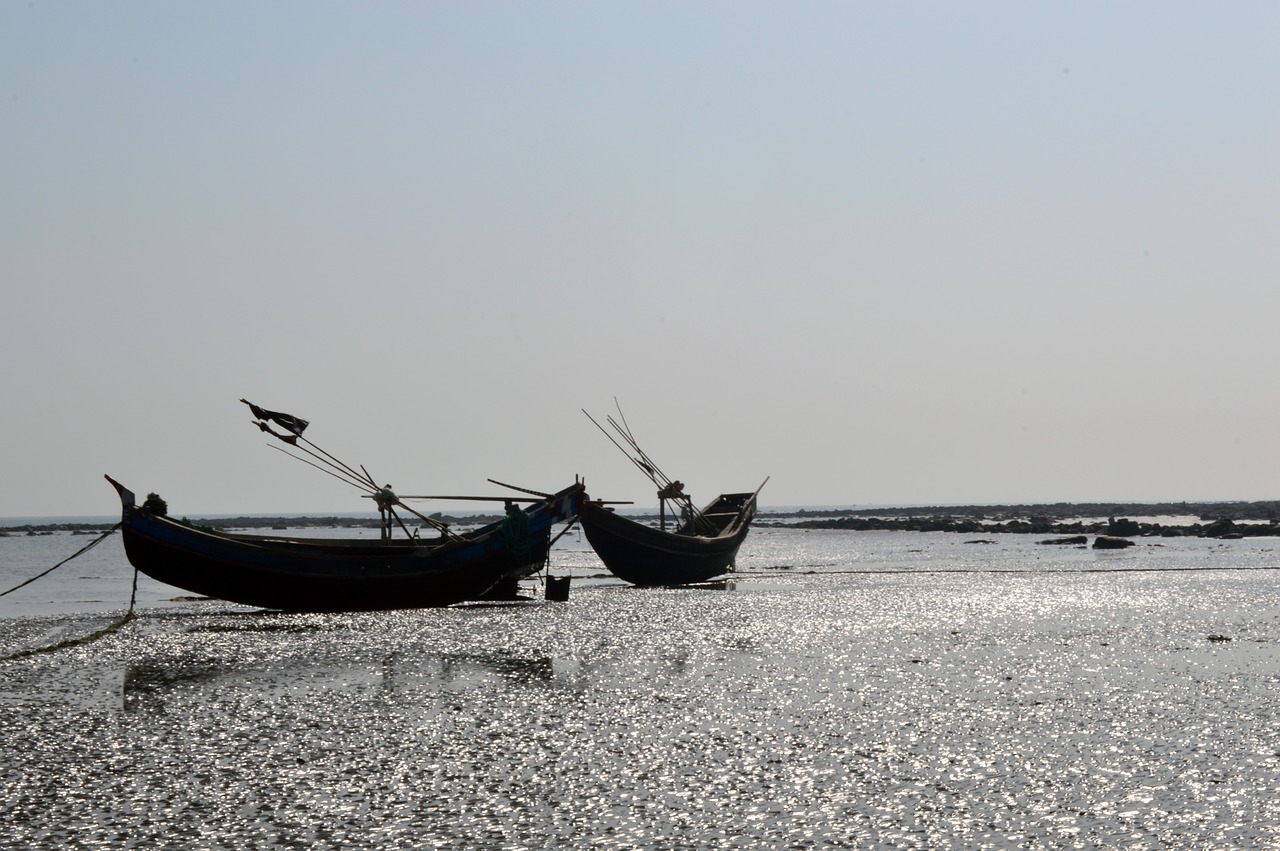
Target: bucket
{"points": [[558, 588]]}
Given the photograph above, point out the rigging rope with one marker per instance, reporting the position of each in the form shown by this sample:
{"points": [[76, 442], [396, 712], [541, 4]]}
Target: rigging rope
{"points": [[75, 642]]}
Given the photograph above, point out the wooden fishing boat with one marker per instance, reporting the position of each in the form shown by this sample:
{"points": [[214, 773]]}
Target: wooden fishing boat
{"points": [[320, 574], [325, 574], [701, 545]]}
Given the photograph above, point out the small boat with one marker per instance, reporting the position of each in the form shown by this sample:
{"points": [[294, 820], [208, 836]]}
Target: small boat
{"points": [[327, 574], [701, 545], [701, 548], [331, 575]]}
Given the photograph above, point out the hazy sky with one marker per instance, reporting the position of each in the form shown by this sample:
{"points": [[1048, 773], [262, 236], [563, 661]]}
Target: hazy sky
{"points": [[881, 252]]}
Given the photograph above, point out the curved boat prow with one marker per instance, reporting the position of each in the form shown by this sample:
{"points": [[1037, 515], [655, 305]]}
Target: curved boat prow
{"points": [[127, 499]]}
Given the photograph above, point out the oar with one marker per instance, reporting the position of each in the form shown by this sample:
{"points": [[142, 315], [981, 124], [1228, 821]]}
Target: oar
{"points": [[522, 490], [477, 498]]}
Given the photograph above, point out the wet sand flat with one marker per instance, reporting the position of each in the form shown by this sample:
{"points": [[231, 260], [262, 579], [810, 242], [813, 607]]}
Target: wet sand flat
{"points": [[802, 706]]}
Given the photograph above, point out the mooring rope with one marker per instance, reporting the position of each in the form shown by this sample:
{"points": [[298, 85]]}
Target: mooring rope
{"points": [[76, 554], [72, 642], [76, 642]]}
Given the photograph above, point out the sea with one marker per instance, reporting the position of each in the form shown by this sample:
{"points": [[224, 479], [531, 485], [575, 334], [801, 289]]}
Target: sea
{"points": [[840, 690]]}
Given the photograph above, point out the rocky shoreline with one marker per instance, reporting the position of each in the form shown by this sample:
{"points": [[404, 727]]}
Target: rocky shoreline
{"points": [[1068, 531], [1265, 510]]}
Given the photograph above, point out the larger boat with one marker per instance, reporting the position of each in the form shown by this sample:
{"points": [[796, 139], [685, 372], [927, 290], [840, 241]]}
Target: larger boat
{"points": [[326, 574], [693, 546]]}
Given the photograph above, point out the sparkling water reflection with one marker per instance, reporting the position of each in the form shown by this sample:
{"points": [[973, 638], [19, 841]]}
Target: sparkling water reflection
{"points": [[846, 690]]}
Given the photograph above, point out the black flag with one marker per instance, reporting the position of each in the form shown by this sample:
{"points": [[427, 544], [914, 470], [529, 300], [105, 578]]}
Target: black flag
{"points": [[287, 438], [288, 422]]}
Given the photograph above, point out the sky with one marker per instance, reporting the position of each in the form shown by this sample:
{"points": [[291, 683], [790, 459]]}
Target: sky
{"points": [[881, 253]]}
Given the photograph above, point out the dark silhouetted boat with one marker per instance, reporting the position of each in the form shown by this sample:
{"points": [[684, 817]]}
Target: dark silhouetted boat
{"points": [[699, 545], [695, 551], [328, 574]]}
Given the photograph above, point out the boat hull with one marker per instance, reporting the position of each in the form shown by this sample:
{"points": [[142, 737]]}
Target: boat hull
{"points": [[642, 555], [300, 574]]}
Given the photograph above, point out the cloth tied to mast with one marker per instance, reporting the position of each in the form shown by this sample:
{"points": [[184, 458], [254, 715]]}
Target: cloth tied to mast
{"points": [[288, 422], [287, 438], [386, 498]]}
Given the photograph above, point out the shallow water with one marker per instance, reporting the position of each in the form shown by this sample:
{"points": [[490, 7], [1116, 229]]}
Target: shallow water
{"points": [[845, 690]]}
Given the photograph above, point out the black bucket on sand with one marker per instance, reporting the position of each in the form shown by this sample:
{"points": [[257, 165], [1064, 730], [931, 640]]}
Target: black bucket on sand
{"points": [[558, 588]]}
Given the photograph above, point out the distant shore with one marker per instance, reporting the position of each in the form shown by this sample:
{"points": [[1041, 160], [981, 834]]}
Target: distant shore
{"points": [[1217, 519], [1268, 510], [1114, 527]]}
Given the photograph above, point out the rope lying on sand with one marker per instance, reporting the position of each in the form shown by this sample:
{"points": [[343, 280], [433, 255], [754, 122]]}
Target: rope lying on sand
{"points": [[75, 642]]}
